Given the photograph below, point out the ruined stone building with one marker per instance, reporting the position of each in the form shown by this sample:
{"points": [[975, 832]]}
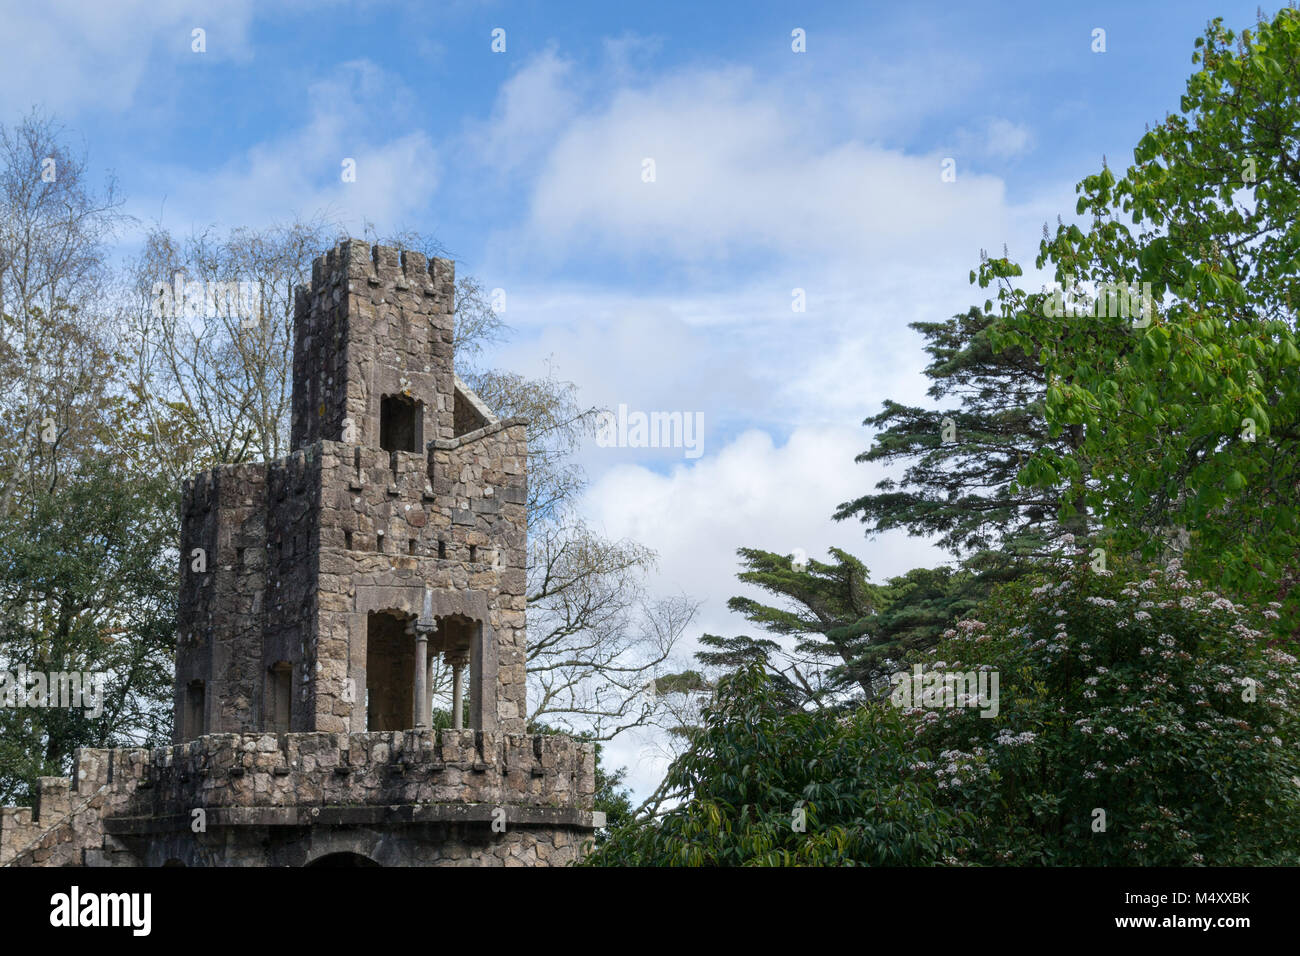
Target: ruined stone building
{"points": [[319, 593]]}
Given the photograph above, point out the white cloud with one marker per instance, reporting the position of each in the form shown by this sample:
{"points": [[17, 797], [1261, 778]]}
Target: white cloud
{"points": [[627, 54], [740, 170], [71, 55], [299, 172], [997, 138], [750, 493], [531, 106], [1006, 139], [748, 203], [738, 353]]}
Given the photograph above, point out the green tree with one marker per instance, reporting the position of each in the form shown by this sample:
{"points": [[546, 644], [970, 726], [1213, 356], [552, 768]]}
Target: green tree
{"points": [[827, 608], [1141, 694], [843, 635], [766, 785], [959, 484], [88, 583], [1189, 410]]}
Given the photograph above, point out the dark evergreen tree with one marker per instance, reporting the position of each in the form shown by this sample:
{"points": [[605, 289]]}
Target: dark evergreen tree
{"points": [[848, 633], [960, 481]]}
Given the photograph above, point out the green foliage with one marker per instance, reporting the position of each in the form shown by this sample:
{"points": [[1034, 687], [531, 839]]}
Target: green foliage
{"points": [[757, 765], [1162, 704], [915, 609], [729, 654], [963, 491], [87, 584], [850, 633], [1190, 417], [827, 610], [612, 798], [1166, 706]]}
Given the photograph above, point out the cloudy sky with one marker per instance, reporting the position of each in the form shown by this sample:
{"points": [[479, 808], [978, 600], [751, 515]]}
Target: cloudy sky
{"points": [[774, 171]]}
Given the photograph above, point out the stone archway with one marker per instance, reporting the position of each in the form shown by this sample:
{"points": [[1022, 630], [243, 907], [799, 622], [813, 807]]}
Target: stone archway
{"points": [[460, 618], [342, 846], [345, 858]]}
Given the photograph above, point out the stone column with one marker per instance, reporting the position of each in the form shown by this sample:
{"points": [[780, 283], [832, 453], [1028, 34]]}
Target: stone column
{"points": [[428, 683], [457, 657], [424, 627], [421, 677]]}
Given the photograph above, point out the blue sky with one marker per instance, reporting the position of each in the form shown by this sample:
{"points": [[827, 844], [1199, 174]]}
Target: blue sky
{"points": [[775, 171]]}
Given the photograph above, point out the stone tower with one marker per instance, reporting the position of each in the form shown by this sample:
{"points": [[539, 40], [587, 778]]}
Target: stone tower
{"points": [[391, 541], [323, 595]]}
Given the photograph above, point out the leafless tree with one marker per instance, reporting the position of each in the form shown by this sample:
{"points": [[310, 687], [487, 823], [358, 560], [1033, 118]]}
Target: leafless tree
{"points": [[56, 343], [214, 373]]}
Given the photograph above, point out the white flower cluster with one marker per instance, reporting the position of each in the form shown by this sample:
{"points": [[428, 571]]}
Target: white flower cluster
{"points": [[1006, 738], [961, 767]]}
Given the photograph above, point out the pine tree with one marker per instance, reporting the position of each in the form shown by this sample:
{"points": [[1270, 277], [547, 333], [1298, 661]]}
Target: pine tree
{"points": [[962, 460]]}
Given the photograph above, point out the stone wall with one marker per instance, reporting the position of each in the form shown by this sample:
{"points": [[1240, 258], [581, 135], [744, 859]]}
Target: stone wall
{"points": [[299, 551], [482, 477], [221, 608], [412, 798], [255, 604]]}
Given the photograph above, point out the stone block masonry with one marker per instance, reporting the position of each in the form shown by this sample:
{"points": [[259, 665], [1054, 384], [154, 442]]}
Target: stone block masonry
{"points": [[399, 798], [317, 592]]}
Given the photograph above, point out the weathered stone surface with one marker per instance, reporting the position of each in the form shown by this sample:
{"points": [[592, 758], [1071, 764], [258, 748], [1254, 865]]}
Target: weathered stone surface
{"points": [[311, 585]]}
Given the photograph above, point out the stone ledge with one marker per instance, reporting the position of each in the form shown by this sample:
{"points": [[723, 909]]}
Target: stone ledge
{"points": [[393, 814], [447, 444]]}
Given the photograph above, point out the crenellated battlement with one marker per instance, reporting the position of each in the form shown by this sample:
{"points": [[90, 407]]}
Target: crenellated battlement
{"points": [[376, 326], [289, 779], [356, 259]]}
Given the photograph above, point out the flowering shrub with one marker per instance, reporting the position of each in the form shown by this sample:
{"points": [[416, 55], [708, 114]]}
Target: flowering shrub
{"points": [[1135, 721], [1141, 722]]}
